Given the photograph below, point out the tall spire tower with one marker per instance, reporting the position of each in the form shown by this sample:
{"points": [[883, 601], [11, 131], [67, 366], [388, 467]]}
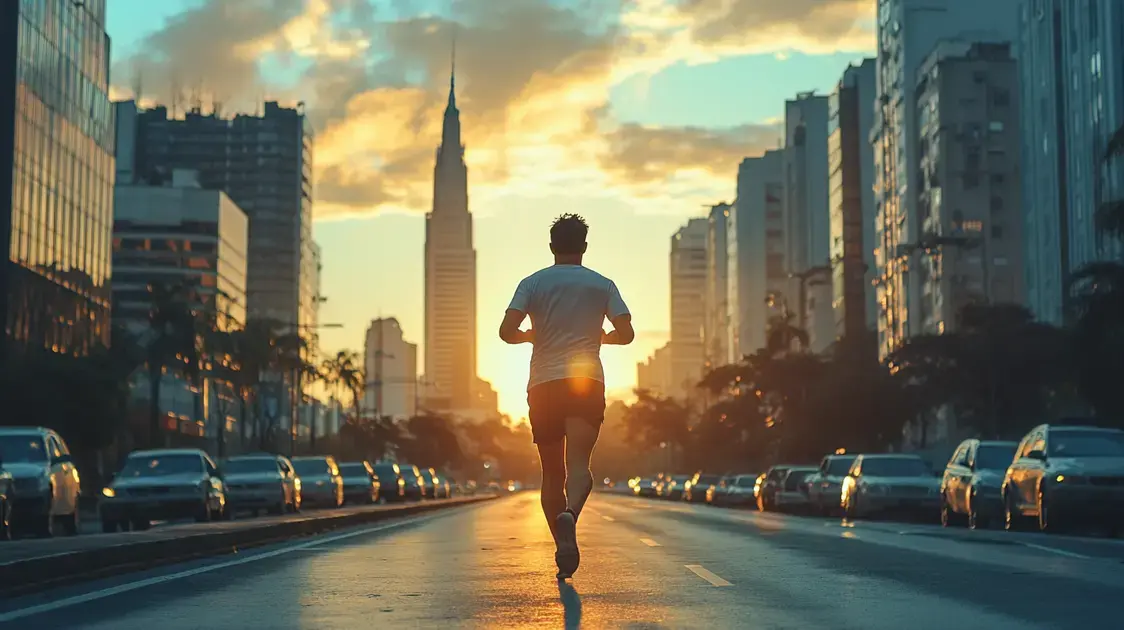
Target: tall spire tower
{"points": [[450, 272]]}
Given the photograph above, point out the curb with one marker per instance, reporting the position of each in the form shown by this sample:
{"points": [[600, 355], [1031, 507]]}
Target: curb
{"points": [[28, 575]]}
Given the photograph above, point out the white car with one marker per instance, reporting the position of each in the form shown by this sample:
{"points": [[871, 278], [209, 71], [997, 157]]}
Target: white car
{"points": [[45, 482], [163, 484]]}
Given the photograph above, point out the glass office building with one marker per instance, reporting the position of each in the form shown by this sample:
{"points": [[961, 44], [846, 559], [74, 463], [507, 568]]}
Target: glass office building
{"points": [[56, 174]]}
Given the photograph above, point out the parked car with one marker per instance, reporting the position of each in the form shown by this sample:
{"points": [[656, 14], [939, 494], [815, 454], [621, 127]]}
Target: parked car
{"points": [[792, 492], [321, 483], [673, 488], [826, 486], [360, 483], [392, 487], [163, 484], [435, 484], [416, 488], [972, 485], [1063, 474], [6, 497], [646, 487], [890, 483], [261, 482], [738, 491], [767, 491], [695, 490], [45, 482]]}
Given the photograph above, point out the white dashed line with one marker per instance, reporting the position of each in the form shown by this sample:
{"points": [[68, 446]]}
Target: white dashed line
{"points": [[608, 518], [649, 542], [714, 580], [1060, 552]]}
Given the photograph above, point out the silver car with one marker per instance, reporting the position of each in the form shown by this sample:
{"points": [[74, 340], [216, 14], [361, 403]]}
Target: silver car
{"points": [[163, 484], [890, 483], [45, 483], [261, 482], [321, 483], [971, 490]]}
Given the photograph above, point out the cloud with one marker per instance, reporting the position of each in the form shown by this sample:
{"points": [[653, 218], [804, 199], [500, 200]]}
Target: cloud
{"points": [[807, 25], [533, 77]]}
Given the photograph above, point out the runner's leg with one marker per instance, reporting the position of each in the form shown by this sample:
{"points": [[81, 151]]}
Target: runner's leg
{"points": [[552, 458], [581, 437]]}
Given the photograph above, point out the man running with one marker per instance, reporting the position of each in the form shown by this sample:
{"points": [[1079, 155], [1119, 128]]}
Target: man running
{"points": [[568, 305]]}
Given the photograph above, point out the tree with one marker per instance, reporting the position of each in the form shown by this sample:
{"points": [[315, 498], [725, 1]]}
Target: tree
{"points": [[343, 371], [170, 344], [656, 421], [998, 368]]}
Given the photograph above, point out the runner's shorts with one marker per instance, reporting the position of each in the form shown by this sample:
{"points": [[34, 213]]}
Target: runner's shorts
{"points": [[552, 402]]}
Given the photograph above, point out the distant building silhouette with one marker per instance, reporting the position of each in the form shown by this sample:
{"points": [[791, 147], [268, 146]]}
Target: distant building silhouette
{"points": [[450, 276]]}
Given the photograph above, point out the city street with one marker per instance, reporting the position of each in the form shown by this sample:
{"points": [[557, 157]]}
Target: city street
{"points": [[646, 564]]}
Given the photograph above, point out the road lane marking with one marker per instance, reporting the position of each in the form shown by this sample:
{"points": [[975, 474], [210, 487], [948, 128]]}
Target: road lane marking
{"points": [[608, 518], [163, 579], [714, 580], [649, 542], [1060, 552]]}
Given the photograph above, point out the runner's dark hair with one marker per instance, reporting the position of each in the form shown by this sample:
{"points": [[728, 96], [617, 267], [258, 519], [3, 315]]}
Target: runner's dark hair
{"points": [[568, 233]]}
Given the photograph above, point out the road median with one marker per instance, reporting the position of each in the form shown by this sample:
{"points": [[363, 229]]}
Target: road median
{"points": [[35, 565]]}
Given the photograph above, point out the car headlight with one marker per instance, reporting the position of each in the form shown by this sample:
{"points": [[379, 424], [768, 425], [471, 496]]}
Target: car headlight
{"points": [[108, 492], [1071, 479]]}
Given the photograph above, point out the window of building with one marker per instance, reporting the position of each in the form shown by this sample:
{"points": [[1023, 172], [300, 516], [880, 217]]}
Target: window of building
{"points": [[1001, 97], [996, 204], [996, 232]]}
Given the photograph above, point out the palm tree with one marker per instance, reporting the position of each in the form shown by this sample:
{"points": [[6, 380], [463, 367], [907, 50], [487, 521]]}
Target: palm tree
{"points": [[255, 353], [343, 371], [170, 345]]}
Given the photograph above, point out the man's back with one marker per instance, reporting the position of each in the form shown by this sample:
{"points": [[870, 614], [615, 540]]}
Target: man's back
{"points": [[567, 305]]}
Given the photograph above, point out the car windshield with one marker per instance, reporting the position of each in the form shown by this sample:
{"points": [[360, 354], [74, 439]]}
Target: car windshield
{"points": [[353, 469], [839, 466], [894, 467], [777, 474], [161, 465], [994, 456], [747, 482], [312, 467], [708, 480], [22, 449], [249, 465], [1086, 444]]}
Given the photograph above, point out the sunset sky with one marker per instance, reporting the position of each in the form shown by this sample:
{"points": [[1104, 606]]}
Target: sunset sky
{"points": [[634, 113]]}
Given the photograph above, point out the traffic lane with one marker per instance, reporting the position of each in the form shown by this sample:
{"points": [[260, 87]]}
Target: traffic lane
{"points": [[877, 570], [24, 549], [485, 566]]}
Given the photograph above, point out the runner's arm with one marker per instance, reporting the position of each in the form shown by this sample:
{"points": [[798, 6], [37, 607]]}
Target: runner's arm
{"points": [[617, 312], [516, 313]]}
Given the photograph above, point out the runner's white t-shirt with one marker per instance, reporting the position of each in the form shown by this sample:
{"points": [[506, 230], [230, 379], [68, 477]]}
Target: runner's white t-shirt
{"points": [[567, 305]]}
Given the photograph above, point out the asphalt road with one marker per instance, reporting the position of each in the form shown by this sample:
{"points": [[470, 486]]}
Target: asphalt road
{"points": [[646, 564]]}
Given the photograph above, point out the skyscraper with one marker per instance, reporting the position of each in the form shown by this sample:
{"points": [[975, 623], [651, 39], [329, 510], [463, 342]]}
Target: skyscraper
{"points": [[264, 163], [714, 330], [450, 275], [688, 306], [908, 30], [56, 175], [755, 252], [390, 365], [1071, 61], [970, 191], [807, 218], [851, 194]]}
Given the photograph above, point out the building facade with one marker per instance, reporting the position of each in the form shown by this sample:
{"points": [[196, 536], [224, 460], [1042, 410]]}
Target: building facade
{"points": [[56, 175], [1071, 61], [264, 163], [179, 233], [807, 217], [450, 276], [851, 199], [391, 370], [654, 373], [688, 306], [970, 196], [908, 30], [756, 255], [715, 325]]}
